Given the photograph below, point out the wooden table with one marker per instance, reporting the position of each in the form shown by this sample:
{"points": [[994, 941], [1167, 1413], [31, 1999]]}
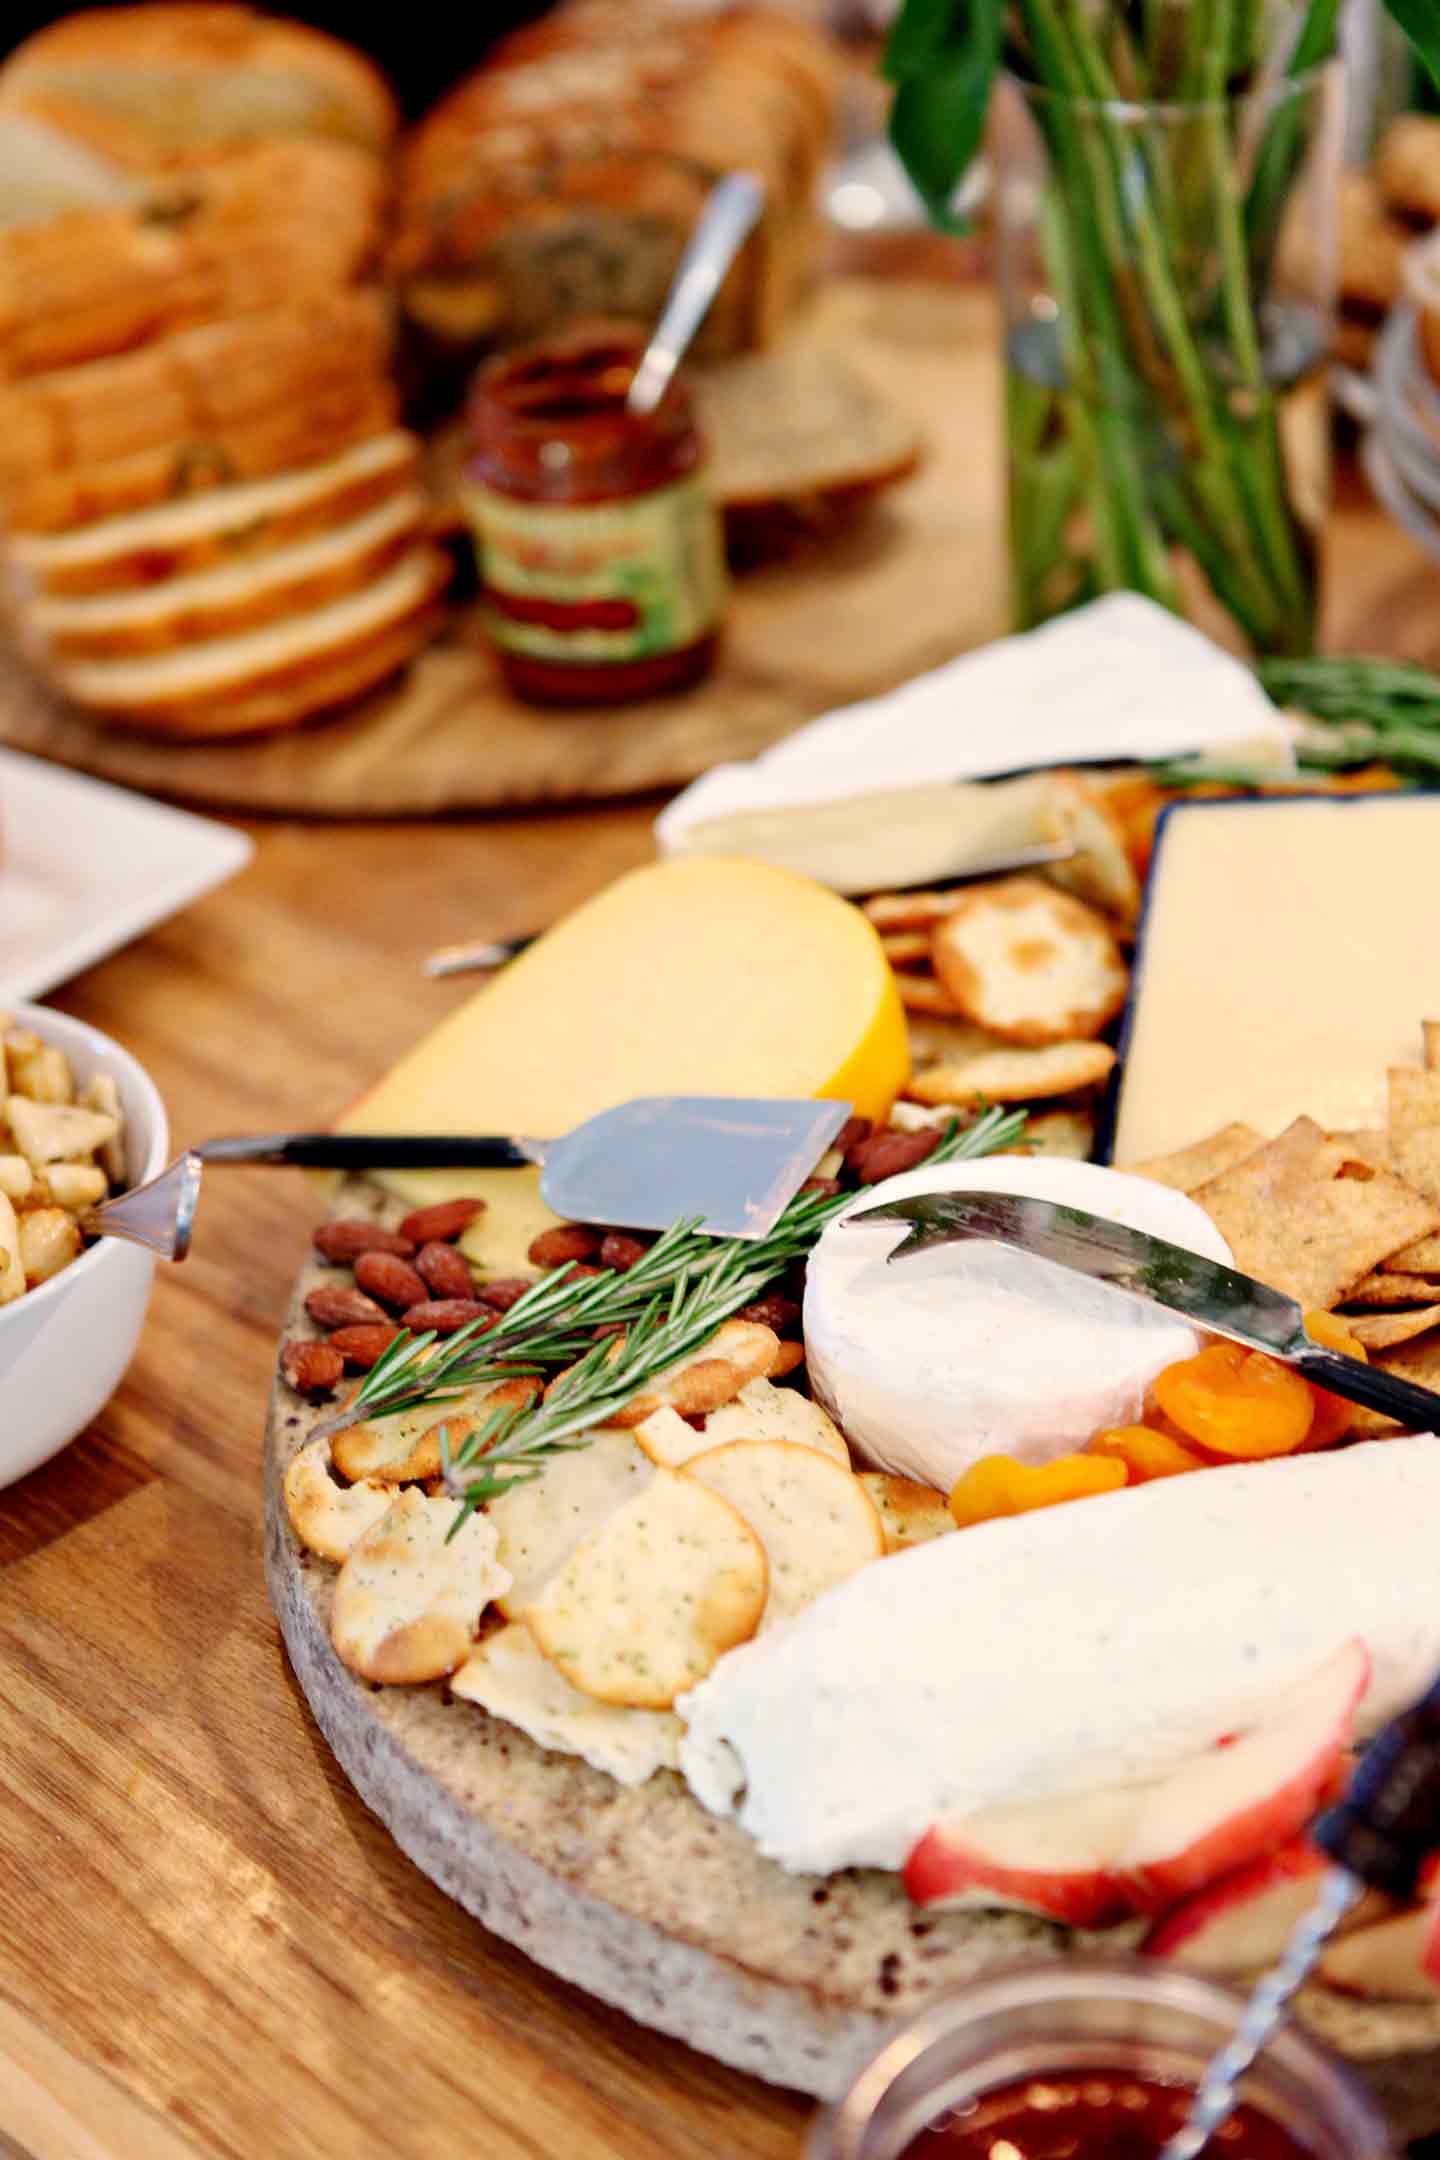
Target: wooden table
{"points": [[206, 1945]]}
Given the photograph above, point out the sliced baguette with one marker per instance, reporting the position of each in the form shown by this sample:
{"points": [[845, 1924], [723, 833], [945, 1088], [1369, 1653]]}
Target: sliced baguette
{"points": [[222, 602], [222, 525], [273, 677]]}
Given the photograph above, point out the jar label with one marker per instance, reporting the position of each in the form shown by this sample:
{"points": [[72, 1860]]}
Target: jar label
{"points": [[600, 581]]}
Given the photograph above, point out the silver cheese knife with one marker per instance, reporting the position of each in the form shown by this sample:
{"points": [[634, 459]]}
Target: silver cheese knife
{"points": [[1219, 1299]]}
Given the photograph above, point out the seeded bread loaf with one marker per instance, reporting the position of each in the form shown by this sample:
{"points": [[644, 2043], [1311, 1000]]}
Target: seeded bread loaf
{"points": [[156, 86], [566, 175]]}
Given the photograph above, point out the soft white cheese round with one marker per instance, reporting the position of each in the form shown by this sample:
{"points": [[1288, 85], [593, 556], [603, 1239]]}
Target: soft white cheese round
{"points": [[972, 1350]]}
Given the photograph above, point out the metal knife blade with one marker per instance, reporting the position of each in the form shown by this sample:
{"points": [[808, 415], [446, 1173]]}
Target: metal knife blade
{"points": [[1216, 1298]]}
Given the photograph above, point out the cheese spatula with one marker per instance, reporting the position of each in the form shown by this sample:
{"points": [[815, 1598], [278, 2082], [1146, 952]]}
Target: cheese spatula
{"points": [[733, 1162]]}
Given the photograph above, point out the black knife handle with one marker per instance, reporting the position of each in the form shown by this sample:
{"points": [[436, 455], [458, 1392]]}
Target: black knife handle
{"points": [[1417, 1408], [370, 1151], [1388, 1824]]}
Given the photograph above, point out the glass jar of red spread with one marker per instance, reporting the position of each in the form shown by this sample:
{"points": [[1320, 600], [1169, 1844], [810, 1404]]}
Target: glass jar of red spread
{"points": [[1092, 2059], [601, 553]]}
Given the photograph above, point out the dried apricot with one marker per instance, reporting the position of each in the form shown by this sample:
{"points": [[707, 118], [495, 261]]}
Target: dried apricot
{"points": [[1236, 1402], [1146, 1453], [1333, 1414], [999, 1485]]}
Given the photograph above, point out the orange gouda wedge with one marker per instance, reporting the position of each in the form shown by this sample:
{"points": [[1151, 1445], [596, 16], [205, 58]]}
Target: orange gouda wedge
{"points": [[705, 976]]}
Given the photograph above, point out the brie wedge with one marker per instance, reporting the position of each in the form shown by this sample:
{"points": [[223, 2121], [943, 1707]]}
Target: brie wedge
{"points": [[1078, 1646], [972, 1350]]}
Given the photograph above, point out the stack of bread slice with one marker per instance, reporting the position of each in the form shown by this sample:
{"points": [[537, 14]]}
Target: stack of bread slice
{"points": [[211, 519]]}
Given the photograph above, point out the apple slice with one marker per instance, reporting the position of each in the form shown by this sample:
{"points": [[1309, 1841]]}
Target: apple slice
{"points": [[1386, 1962], [1224, 1807], [1055, 1856], [1243, 1922], [1092, 1858]]}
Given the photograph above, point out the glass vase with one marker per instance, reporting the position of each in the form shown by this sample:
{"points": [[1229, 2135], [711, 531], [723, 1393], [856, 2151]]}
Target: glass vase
{"points": [[1167, 273]]}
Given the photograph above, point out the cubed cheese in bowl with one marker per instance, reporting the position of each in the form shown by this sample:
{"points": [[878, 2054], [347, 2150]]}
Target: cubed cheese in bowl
{"points": [[65, 1344]]}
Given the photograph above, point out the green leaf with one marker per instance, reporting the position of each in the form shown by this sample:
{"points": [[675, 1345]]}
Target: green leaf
{"points": [[1316, 41], [918, 38], [1420, 20], [938, 115]]}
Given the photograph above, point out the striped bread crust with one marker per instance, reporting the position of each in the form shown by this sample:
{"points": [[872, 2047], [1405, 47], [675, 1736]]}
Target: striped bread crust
{"points": [[243, 522], [224, 601]]}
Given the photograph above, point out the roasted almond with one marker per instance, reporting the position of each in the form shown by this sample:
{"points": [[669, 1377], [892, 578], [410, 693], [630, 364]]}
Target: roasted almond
{"points": [[344, 1239], [571, 1241], [390, 1279], [364, 1345], [333, 1306], [446, 1316], [505, 1291], [851, 1133], [621, 1251], [311, 1368], [827, 1185], [446, 1220], [891, 1152], [772, 1311], [444, 1271]]}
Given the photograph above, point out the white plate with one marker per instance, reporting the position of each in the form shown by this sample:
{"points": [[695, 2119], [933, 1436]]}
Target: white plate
{"points": [[85, 867]]}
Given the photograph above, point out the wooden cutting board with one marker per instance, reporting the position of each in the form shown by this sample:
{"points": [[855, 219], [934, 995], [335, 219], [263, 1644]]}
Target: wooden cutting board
{"points": [[917, 578]]}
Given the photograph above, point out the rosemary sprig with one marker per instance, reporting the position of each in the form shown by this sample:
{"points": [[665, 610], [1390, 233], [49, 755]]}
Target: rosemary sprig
{"points": [[729, 1273], [685, 1275]]}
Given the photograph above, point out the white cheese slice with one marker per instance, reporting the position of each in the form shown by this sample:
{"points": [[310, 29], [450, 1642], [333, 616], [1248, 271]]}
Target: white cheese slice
{"points": [[974, 1350], [510, 1676], [1072, 1647]]}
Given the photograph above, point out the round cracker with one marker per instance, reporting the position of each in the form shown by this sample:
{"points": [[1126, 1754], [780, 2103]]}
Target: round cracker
{"points": [[411, 1593], [910, 1513], [650, 1602], [1031, 964], [815, 1520], [329, 1518]]}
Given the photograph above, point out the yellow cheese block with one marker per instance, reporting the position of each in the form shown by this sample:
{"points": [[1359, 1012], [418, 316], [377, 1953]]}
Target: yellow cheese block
{"points": [[712, 976]]}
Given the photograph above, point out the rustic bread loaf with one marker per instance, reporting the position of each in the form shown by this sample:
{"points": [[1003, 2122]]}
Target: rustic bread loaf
{"points": [[231, 401], [163, 85], [566, 175], [259, 229]]}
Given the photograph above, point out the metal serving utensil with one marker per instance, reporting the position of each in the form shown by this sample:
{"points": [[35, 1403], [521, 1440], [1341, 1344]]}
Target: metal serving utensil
{"points": [[732, 210], [1218, 1299], [732, 1162]]}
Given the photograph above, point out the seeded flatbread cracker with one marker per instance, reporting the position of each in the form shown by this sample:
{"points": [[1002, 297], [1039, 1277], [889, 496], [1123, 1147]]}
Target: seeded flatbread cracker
{"points": [[406, 1446], [1418, 1361], [763, 1412], [510, 1676], [652, 1600], [327, 1517], [815, 1520], [1368, 1144], [1100, 871], [1004, 1074], [411, 1593], [910, 1513], [539, 1524], [1389, 1286], [1421, 1258], [1190, 1167], [1415, 1128], [1295, 1217], [1382, 1331], [1031, 964]]}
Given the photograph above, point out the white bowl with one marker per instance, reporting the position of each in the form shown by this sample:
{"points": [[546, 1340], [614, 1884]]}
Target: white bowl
{"points": [[64, 1347]]}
